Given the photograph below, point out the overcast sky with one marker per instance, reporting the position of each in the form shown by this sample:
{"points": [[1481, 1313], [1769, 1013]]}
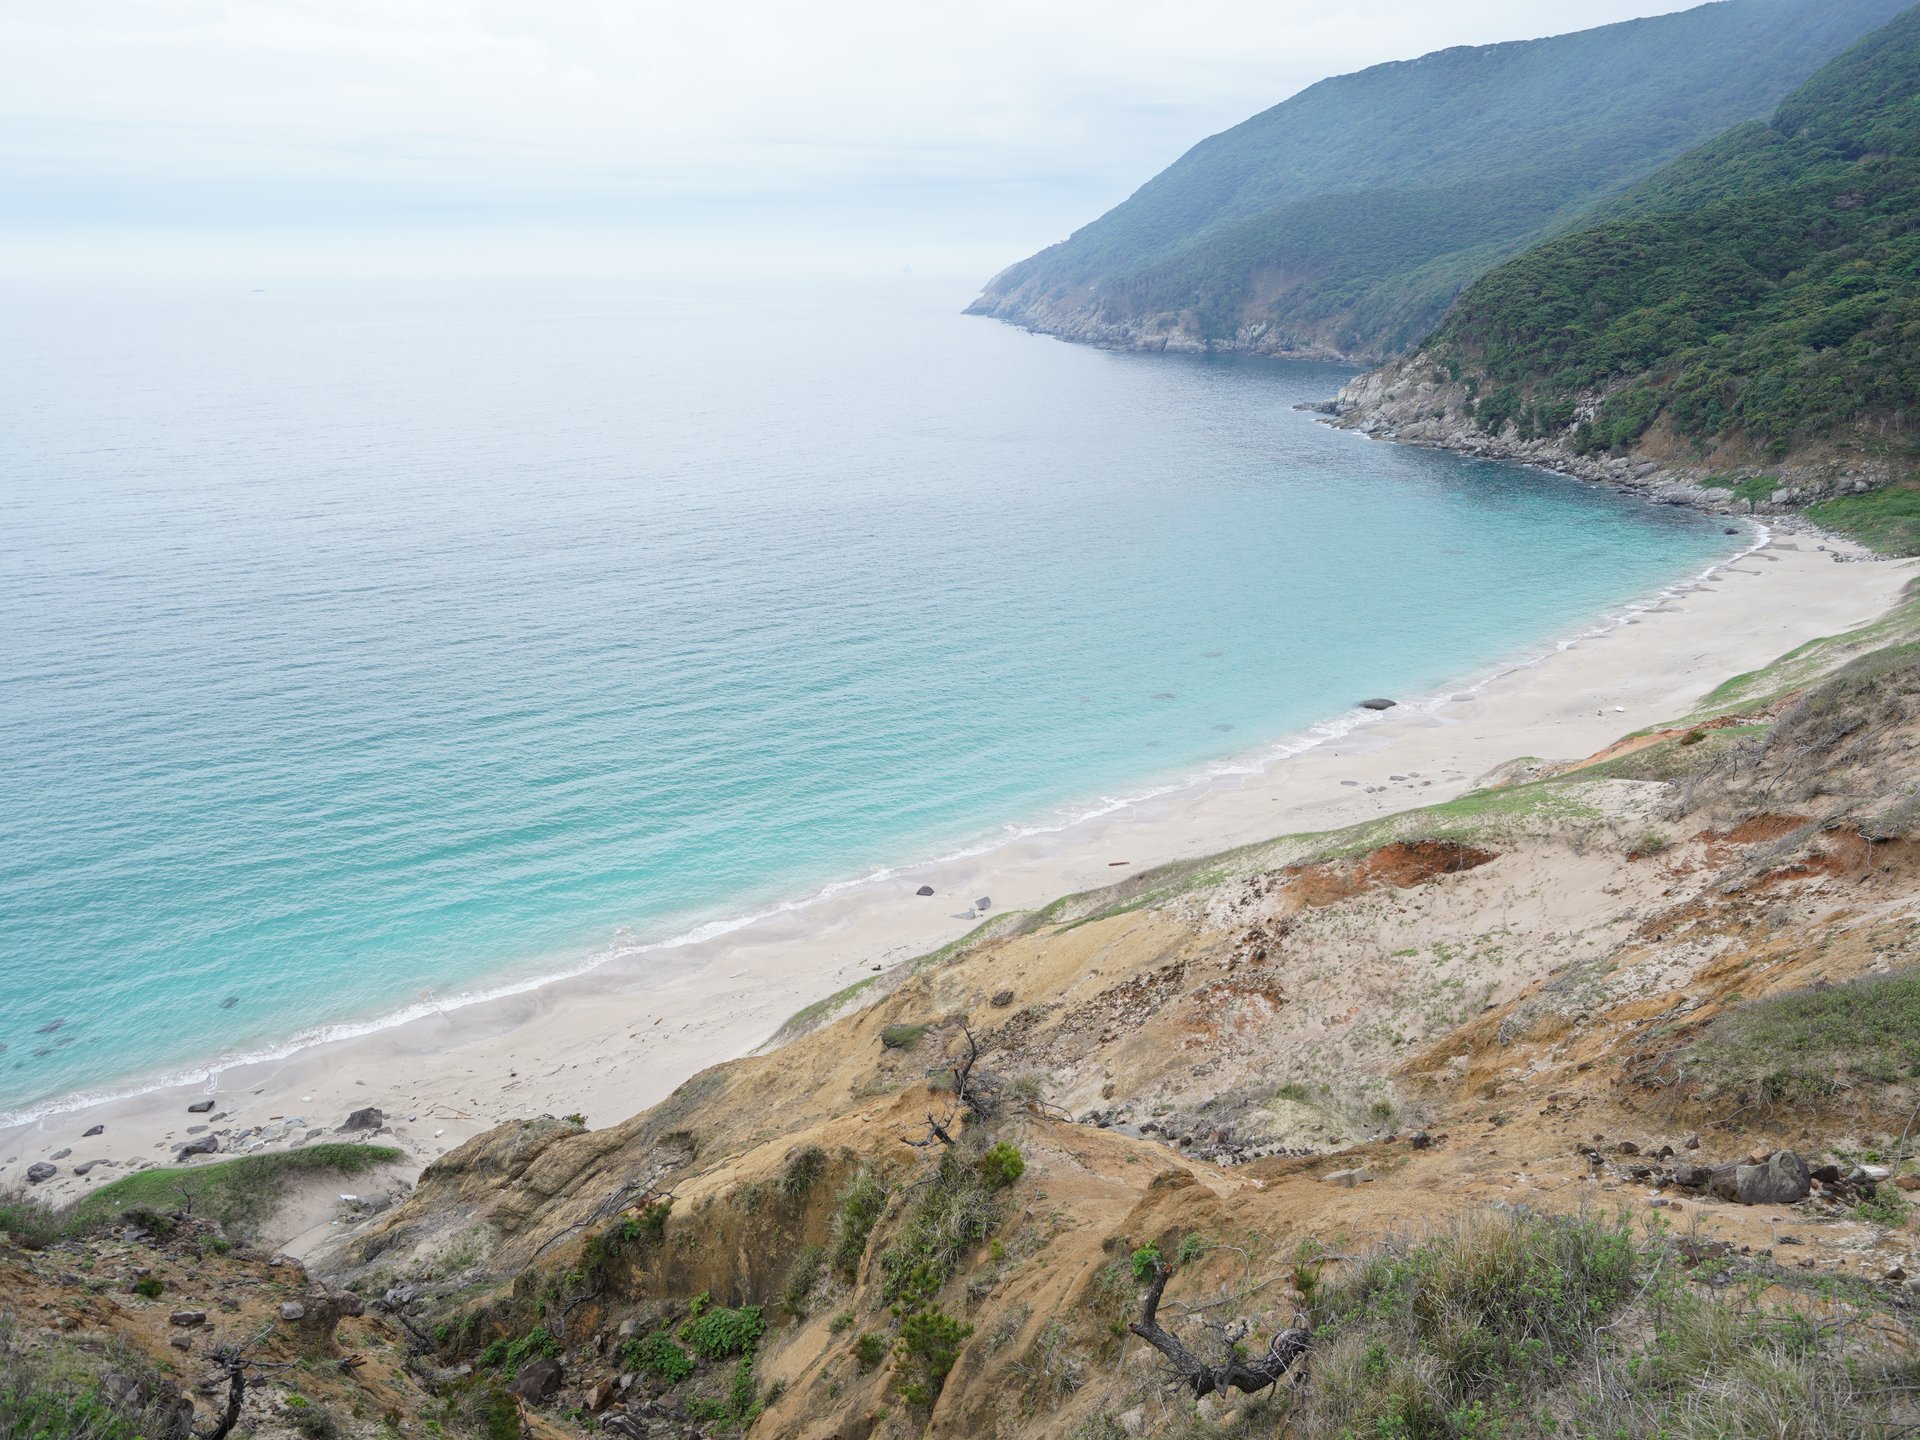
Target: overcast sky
{"points": [[995, 125]]}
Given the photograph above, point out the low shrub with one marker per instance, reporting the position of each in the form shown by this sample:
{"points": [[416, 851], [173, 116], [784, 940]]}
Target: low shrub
{"points": [[925, 1353], [856, 1211], [657, 1354], [953, 1214], [719, 1333], [1002, 1165]]}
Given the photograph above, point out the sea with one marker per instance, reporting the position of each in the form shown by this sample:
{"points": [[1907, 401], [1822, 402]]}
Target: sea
{"points": [[371, 645]]}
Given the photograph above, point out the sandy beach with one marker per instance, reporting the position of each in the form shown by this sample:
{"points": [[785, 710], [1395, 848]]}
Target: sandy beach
{"points": [[618, 1038]]}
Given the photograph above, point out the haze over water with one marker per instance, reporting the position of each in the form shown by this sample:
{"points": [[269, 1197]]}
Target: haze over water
{"points": [[369, 642]]}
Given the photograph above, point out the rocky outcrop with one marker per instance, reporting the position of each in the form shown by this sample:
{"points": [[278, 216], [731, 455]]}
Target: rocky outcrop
{"points": [[1419, 402]]}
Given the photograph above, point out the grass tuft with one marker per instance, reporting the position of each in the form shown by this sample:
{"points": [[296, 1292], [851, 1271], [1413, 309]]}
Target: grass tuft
{"points": [[238, 1194]]}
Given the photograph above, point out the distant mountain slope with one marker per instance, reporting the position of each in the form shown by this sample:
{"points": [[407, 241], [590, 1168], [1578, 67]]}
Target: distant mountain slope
{"points": [[1753, 306], [1344, 220]]}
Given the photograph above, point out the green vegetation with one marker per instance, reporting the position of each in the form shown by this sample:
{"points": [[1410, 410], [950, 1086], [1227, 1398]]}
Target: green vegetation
{"points": [[149, 1287], [30, 1224], [510, 1355], [1518, 1324], [1002, 1165], [1806, 1046], [238, 1194], [1763, 290], [803, 1172], [924, 1354], [902, 1037], [869, 1350], [1888, 519], [954, 1212], [659, 1355], [62, 1393], [717, 1333], [1352, 213], [856, 1211]]}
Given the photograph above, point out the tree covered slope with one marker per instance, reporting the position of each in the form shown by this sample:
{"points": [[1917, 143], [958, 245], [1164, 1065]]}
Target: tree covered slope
{"points": [[1345, 219], [1761, 294]]}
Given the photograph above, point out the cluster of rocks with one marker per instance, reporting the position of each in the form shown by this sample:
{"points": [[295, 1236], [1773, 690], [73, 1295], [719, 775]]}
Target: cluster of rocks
{"points": [[1778, 1177]]}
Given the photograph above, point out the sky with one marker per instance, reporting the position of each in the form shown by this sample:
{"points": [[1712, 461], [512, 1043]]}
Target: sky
{"points": [[955, 134]]}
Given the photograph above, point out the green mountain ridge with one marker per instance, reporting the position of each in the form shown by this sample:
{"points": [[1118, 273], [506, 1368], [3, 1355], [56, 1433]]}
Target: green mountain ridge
{"points": [[1344, 220], [1753, 304]]}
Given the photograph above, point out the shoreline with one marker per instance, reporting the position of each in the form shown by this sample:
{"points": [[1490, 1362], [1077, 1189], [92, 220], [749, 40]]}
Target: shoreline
{"points": [[615, 1037], [1061, 819]]}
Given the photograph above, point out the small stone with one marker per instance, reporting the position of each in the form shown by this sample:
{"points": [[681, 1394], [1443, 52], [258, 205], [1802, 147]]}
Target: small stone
{"points": [[629, 1328], [370, 1118], [1378, 704], [1626, 1147], [96, 1130], [1906, 1182], [600, 1396], [200, 1107], [292, 1310], [187, 1319], [181, 1342], [1347, 1179], [1420, 1140], [37, 1174], [60, 1154], [1692, 1142], [985, 902], [1001, 999], [205, 1145], [924, 890]]}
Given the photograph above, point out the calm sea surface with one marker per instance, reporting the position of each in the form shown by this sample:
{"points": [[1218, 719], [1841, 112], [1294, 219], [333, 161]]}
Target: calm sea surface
{"points": [[363, 643]]}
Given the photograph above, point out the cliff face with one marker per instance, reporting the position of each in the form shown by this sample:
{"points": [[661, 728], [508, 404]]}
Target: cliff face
{"points": [[938, 1214]]}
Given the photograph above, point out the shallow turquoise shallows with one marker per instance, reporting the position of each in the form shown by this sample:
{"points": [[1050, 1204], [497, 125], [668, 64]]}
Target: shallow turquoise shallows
{"points": [[364, 644]]}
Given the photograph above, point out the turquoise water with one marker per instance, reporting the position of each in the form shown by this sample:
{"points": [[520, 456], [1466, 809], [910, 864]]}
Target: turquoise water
{"points": [[363, 643]]}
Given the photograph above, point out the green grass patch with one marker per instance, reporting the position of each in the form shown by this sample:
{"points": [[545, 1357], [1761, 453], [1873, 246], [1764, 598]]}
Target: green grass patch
{"points": [[1806, 1046], [1887, 519], [239, 1194]]}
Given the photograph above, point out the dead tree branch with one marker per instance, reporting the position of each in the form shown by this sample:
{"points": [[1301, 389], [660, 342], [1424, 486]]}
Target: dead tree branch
{"points": [[1289, 1348]]}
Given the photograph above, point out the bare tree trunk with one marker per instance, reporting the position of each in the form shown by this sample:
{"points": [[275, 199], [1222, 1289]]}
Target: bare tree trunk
{"points": [[1288, 1348]]}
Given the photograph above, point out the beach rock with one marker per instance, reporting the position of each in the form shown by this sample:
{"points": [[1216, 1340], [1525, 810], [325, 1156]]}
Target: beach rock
{"points": [[187, 1319], [623, 1426], [41, 1172], [205, 1145], [924, 890], [1782, 1180], [200, 1107], [369, 1118], [1001, 999], [985, 902], [600, 1396], [538, 1379], [84, 1168], [60, 1154], [1378, 704], [1420, 1140], [96, 1130]]}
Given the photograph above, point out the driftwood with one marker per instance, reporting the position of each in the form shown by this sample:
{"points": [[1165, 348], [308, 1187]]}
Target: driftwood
{"points": [[1289, 1348], [975, 1093]]}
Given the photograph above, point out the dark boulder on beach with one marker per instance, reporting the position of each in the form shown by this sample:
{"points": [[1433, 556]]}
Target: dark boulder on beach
{"points": [[200, 1107], [96, 1130], [370, 1118], [43, 1171], [205, 1145], [924, 890], [1378, 704], [985, 902]]}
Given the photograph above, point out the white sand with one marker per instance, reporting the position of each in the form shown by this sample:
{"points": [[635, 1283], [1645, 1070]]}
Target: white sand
{"points": [[617, 1039]]}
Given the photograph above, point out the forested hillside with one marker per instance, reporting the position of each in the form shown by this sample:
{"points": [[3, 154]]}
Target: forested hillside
{"points": [[1768, 284], [1758, 297], [1345, 219]]}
